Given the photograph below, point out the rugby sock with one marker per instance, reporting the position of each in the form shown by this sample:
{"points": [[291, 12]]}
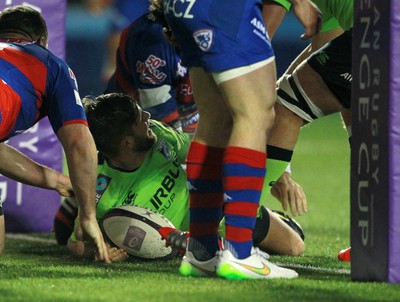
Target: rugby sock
{"points": [[278, 160], [64, 221], [204, 172], [244, 172]]}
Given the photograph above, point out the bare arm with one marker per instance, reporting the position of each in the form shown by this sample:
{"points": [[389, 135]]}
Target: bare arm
{"points": [[21, 168], [309, 16], [273, 15], [80, 151]]}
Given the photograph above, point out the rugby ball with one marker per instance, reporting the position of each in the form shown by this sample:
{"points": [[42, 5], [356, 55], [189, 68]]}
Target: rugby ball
{"points": [[135, 229]]}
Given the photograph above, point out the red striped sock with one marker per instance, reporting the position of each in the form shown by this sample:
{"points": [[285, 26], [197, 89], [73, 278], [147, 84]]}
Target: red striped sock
{"points": [[244, 173], [204, 172]]}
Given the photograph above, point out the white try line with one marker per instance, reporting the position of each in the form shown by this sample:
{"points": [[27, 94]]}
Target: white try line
{"points": [[30, 238], [33, 238], [339, 271]]}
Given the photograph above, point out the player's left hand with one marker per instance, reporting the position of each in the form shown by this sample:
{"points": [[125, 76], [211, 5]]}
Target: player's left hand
{"points": [[290, 194], [114, 253]]}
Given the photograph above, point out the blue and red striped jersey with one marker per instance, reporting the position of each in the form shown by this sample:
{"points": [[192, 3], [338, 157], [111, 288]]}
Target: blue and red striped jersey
{"points": [[35, 83]]}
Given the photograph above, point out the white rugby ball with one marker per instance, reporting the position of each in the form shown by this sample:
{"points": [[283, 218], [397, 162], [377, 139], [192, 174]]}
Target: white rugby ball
{"points": [[135, 229]]}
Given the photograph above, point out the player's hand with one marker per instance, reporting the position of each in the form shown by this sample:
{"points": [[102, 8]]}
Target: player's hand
{"points": [[309, 16], [64, 186], [290, 194], [114, 253], [89, 229]]}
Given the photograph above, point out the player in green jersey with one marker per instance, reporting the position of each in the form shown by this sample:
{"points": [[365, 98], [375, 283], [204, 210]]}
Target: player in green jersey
{"points": [[140, 163], [317, 82]]}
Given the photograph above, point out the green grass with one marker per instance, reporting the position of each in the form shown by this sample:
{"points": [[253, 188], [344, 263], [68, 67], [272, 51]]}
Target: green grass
{"points": [[41, 271]]}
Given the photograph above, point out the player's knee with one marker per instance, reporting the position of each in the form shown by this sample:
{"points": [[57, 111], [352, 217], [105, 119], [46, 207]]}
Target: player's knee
{"points": [[297, 246], [292, 96]]}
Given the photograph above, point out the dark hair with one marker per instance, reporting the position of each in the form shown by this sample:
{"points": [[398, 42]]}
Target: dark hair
{"points": [[110, 117], [23, 20]]}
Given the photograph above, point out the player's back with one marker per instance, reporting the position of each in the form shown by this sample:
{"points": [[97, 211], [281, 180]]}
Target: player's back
{"points": [[35, 83], [23, 76]]}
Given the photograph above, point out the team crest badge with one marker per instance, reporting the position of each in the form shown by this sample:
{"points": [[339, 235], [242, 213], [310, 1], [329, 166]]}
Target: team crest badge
{"points": [[204, 39]]}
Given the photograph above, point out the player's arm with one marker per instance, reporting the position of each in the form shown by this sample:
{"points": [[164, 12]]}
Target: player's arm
{"points": [[309, 16], [181, 142], [273, 13], [21, 168], [81, 156], [179, 139]]}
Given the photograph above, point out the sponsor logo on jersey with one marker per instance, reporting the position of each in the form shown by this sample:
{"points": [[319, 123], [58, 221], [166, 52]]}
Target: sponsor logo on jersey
{"points": [[204, 39], [149, 70], [130, 198], [322, 58], [163, 148], [181, 71], [102, 184], [347, 76], [164, 195], [72, 76], [259, 25]]}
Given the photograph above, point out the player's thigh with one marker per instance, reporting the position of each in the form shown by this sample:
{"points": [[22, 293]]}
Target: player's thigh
{"points": [[316, 90], [333, 64], [2, 234], [215, 121], [252, 95]]}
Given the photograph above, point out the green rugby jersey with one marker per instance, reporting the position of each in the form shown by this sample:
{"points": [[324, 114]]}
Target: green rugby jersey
{"points": [[159, 183], [335, 13]]}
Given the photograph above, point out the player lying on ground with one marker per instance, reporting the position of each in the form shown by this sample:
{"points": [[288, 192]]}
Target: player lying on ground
{"points": [[34, 83], [140, 163], [317, 83]]}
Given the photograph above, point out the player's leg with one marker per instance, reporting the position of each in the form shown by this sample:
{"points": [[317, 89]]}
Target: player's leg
{"points": [[317, 87], [277, 233], [287, 125], [64, 220], [204, 172], [2, 230], [250, 98]]}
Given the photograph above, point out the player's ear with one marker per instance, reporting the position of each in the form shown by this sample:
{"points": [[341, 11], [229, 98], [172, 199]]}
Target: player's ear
{"points": [[127, 142], [42, 41]]}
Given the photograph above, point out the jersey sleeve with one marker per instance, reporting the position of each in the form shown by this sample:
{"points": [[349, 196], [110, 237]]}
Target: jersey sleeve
{"points": [[178, 139], [285, 3], [64, 103]]}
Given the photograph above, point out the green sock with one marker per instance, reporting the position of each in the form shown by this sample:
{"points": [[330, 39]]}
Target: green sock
{"points": [[277, 161]]}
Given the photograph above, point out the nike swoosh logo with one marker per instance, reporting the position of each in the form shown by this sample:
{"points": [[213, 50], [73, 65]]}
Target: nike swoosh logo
{"points": [[205, 271], [263, 271]]}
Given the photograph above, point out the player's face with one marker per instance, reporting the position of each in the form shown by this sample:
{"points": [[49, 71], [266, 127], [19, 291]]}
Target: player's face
{"points": [[144, 136]]}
